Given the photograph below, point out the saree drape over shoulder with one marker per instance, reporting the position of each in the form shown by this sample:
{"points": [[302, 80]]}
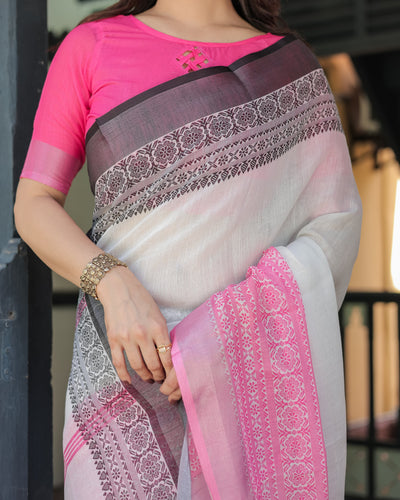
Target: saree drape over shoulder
{"points": [[229, 193]]}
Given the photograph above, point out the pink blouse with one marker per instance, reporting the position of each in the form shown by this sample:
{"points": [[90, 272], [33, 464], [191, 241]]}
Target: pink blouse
{"points": [[98, 66]]}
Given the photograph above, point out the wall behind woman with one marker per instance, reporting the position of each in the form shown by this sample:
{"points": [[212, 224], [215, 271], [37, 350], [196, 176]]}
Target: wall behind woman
{"points": [[64, 15]]}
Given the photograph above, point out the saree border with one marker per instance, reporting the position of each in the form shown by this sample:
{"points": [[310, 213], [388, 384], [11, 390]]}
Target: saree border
{"points": [[183, 79]]}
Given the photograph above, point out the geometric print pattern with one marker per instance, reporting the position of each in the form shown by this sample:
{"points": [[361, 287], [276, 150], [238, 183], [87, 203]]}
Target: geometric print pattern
{"points": [[113, 425], [214, 149]]}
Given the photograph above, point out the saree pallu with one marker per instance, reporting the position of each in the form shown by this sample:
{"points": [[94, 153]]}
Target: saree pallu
{"points": [[229, 193]]}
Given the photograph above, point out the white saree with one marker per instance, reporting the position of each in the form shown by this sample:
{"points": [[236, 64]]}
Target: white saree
{"points": [[194, 181]]}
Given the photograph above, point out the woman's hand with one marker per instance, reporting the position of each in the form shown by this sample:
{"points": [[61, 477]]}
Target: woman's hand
{"points": [[135, 325], [171, 388]]}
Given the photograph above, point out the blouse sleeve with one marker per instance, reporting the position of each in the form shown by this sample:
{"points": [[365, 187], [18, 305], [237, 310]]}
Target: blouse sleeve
{"points": [[57, 148]]}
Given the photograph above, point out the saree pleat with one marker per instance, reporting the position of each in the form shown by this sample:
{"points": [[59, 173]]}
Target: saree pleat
{"points": [[229, 194]]}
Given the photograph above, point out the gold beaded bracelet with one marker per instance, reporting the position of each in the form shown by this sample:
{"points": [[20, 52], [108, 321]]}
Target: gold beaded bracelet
{"points": [[95, 270]]}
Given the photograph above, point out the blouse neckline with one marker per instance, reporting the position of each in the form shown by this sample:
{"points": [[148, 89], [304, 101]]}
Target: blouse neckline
{"points": [[159, 34]]}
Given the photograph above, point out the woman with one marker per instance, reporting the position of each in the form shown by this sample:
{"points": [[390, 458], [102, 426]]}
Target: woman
{"points": [[213, 145]]}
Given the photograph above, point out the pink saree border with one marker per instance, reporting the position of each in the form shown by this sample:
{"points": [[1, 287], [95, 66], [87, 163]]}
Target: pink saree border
{"points": [[260, 327]]}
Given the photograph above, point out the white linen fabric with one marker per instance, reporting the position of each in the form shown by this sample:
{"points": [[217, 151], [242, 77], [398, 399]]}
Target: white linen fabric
{"points": [[262, 163]]}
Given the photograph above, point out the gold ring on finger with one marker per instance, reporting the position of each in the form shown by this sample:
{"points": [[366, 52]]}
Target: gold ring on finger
{"points": [[164, 348]]}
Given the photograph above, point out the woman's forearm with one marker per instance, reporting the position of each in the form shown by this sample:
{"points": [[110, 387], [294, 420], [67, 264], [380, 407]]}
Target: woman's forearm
{"points": [[51, 233]]}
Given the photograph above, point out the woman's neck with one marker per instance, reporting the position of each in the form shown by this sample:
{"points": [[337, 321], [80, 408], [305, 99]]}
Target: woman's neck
{"points": [[196, 13], [201, 20]]}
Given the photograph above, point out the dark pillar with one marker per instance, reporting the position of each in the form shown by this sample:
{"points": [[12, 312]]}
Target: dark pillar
{"points": [[380, 75], [25, 287]]}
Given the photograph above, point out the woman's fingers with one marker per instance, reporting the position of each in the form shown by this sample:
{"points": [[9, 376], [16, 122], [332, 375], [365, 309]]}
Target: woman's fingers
{"points": [[164, 354], [170, 384], [171, 388], [175, 396], [153, 362], [143, 358], [118, 359], [137, 364]]}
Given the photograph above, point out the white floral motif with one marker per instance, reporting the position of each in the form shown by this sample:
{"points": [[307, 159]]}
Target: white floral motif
{"points": [[87, 337], [320, 84], [161, 492], [108, 451], [139, 166], [191, 137], [105, 380], [247, 342], [279, 327], [108, 392], [117, 182], [290, 389], [286, 100], [128, 416], [220, 126], [138, 437], [296, 446], [273, 299], [285, 358], [245, 116], [268, 108], [299, 474], [303, 90], [165, 152], [96, 359], [292, 418], [150, 467]]}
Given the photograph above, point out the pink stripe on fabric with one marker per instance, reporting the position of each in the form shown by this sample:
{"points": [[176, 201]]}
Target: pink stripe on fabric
{"points": [[75, 447], [193, 418], [94, 425], [71, 445]]}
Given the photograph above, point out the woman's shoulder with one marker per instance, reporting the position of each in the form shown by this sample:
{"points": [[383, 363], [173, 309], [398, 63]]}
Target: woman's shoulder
{"points": [[80, 41], [89, 33], [83, 43], [111, 26]]}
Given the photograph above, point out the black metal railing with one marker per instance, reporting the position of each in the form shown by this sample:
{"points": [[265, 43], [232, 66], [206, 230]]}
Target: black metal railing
{"points": [[354, 26], [67, 299], [371, 441]]}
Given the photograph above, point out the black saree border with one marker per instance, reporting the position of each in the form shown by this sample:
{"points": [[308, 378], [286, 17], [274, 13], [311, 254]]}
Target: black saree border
{"points": [[184, 79], [96, 313]]}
